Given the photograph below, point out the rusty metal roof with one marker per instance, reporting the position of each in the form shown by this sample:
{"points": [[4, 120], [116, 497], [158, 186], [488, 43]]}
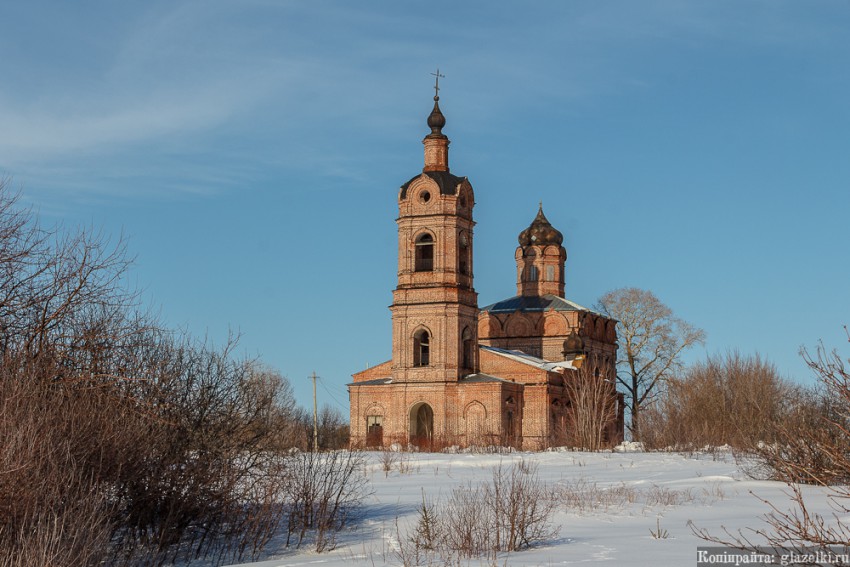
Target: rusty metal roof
{"points": [[447, 182]]}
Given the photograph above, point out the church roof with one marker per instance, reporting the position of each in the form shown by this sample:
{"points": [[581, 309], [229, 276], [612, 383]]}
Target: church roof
{"points": [[375, 382], [519, 356], [481, 378], [447, 182], [534, 303]]}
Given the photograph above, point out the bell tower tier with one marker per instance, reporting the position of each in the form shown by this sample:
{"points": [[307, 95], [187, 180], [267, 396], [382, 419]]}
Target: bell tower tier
{"points": [[435, 307]]}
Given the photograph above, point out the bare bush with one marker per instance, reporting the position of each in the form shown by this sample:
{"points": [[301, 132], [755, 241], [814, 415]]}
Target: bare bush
{"points": [[584, 496], [389, 459], [323, 490], [812, 445], [664, 496], [511, 512], [731, 400], [592, 410], [814, 449], [52, 512], [121, 442]]}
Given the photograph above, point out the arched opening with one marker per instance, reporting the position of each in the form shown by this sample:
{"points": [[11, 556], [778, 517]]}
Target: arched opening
{"points": [[476, 424], [424, 253], [421, 348], [463, 254], [421, 425], [467, 350], [509, 424], [560, 433], [532, 273], [374, 431]]}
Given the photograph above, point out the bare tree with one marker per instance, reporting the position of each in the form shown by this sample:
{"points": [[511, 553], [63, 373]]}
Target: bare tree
{"points": [[651, 339], [333, 428], [592, 409]]}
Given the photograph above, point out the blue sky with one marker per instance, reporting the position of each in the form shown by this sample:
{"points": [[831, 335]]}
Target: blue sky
{"points": [[252, 152]]}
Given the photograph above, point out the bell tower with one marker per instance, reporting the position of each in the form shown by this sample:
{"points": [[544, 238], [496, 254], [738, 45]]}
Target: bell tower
{"points": [[435, 307]]}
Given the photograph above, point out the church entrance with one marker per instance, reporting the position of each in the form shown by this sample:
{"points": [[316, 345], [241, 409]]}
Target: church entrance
{"points": [[374, 431], [421, 425]]}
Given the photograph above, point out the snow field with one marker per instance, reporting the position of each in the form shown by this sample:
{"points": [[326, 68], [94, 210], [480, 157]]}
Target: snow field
{"points": [[624, 509]]}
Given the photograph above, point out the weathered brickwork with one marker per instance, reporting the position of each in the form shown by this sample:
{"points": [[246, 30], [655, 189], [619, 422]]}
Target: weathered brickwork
{"points": [[543, 333], [444, 384]]}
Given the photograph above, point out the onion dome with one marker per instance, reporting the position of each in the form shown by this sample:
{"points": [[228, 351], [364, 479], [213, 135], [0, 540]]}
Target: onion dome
{"points": [[436, 120], [540, 232]]}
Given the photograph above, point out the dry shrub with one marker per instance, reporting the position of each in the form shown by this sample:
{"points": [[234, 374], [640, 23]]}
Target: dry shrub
{"points": [[389, 460], [731, 400], [664, 496], [394, 458], [122, 442], [323, 489], [583, 496], [52, 510], [511, 512], [590, 415], [812, 447]]}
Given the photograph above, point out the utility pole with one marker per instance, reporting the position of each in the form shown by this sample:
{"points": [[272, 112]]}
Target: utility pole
{"points": [[315, 417]]}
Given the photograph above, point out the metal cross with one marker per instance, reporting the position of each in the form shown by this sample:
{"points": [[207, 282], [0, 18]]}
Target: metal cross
{"points": [[437, 83]]}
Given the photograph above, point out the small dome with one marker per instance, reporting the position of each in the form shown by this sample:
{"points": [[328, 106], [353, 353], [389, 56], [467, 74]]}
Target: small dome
{"points": [[540, 232], [436, 120], [573, 345]]}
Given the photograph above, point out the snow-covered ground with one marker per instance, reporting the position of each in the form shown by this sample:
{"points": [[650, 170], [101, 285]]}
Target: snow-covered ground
{"points": [[629, 496]]}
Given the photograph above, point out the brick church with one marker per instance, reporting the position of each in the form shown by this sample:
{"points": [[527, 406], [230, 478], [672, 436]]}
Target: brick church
{"points": [[464, 375]]}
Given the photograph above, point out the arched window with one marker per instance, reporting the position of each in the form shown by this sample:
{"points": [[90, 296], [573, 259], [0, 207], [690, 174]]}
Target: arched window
{"points": [[425, 253], [421, 348], [550, 273], [468, 349], [463, 253], [532, 273]]}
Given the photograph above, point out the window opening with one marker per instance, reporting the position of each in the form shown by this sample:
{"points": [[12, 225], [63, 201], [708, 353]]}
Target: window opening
{"points": [[421, 349], [425, 253], [463, 254], [468, 349]]}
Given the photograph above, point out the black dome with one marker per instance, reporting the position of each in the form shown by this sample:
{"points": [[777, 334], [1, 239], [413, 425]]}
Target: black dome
{"points": [[436, 120], [540, 232]]}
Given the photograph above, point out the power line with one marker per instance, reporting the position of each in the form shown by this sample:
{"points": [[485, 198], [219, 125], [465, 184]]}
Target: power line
{"points": [[334, 398]]}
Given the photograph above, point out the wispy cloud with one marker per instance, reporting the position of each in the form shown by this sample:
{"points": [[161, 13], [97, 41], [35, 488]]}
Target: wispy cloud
{"points": [[190, 90]]}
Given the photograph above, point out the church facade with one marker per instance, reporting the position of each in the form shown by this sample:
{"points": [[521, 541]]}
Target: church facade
{"points": [[464, 375]]}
